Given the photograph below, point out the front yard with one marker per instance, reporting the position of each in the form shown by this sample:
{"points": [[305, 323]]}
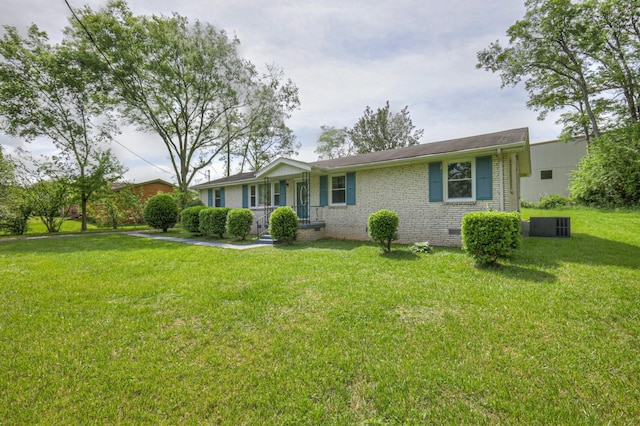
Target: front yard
{"points": [[118, 329]]}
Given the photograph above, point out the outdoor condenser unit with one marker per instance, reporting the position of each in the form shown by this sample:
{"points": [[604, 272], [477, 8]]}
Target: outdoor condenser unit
{"points": [[550, 227]]}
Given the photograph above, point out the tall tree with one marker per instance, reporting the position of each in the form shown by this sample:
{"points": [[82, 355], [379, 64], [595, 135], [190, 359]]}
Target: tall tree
{"points": [[381, 129], [579, 57], [334, 143], [50, 91], [185, 82]]}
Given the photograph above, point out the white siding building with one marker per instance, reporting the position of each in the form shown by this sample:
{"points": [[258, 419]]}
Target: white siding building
{"points": [[551, 165]]}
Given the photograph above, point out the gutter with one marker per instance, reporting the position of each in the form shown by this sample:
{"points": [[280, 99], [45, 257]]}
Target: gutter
{"points": [[501, 174]]}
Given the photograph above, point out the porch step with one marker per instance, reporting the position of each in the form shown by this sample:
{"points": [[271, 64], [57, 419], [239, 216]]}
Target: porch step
{"points": [[264, 239]]}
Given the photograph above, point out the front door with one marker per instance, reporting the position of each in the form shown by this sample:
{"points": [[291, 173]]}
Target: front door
{"points": [[302, 200]]}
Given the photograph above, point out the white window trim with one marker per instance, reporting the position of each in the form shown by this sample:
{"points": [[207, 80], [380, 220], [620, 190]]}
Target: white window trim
{"points": [[473, 179], [330, 189], [217, 195]]}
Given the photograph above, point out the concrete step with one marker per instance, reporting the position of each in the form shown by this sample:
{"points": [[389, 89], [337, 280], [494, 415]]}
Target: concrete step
{"points": [[264, 239]]}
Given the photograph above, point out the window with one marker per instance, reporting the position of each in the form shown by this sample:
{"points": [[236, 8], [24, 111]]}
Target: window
{"points": [[252, 198], [217, 198], [460, 180], [276, 194], [338, 189], [260, 195], [546, 174]]}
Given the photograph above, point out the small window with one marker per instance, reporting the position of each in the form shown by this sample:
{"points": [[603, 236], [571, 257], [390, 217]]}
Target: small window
{"points": [[217, 198], [252, 198], [460, 180], [546, 174], [276, 194], [338, 189]]}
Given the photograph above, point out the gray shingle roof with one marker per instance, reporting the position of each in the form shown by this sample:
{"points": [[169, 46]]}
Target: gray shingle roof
{"points": [[449, 146], [490, 140]]}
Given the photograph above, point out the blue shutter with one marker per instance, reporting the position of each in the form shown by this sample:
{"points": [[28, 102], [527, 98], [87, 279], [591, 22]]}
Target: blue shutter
{"points": [[221, 197], [351, 189], [324, 193], [245, 196], [210, 197], [283, 193], [435, 182], [484, 178]]}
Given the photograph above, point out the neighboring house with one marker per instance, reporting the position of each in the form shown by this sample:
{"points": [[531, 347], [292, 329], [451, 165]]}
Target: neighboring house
{"points": [[551, 165], [146, 190], [431, 186]]}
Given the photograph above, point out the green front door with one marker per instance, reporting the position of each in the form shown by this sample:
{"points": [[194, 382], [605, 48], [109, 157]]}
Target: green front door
{"points": [[302, 200]]}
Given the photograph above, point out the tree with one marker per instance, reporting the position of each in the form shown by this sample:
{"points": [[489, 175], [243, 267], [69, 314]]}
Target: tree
{"points": [[577, 57], [609, 175], [185, 82], [51, 91], [14, 211], [334, 143], [51, 201], [382, 129]]}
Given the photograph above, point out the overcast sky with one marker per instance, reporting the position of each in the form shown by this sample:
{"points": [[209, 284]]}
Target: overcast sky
{"points": [[343, 55]]}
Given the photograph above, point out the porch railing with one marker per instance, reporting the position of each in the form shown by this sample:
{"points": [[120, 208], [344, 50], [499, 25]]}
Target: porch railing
{"points": [[306, 214]]}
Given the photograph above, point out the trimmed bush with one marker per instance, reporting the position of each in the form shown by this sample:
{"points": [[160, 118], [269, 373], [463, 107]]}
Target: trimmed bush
{"points": [[161, 212], [213, 221], [239, 222], [488, 236], [190, 219], [552, 201], [383, 227], [283, 224]]}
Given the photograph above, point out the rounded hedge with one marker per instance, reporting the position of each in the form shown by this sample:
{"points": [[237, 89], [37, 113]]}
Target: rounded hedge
{"points": [[239, 222], [383, 227], [213, 221], [488, 236], [190, 219], [283, 224], [161, 212]]}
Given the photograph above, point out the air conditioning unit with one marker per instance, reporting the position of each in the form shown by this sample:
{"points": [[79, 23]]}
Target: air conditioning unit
{"points": [[559, 227]]}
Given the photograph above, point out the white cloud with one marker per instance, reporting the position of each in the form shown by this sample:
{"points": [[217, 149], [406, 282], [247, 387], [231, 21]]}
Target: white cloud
{"points": [[344, 56]]}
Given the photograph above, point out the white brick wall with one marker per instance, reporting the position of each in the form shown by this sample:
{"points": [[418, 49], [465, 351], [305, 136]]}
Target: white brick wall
{"points": [[404, 189]]}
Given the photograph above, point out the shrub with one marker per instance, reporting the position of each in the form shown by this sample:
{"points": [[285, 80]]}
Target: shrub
{"points": [[283, 224], [488, 236], [383, 227], [608, 175], [528, 204], [516, 226], [239, 222], [213, 221], [552, 201], [190, 219], [423, 248], [161, 212]]}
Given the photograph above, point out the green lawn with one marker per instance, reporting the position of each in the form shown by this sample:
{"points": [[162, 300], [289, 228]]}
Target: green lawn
{"points": [[119, 329], [37, 228]]}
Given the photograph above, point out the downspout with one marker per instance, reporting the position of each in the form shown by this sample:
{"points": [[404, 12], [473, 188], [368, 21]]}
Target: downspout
{"points": [[501, 177]]}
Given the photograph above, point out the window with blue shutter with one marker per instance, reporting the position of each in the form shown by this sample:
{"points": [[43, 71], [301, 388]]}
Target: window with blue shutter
{"points": [[221, 197], [210, 197], [324, 190], [351, 189], [484, 178], [283, 193], [245, 196], [435, 182]]}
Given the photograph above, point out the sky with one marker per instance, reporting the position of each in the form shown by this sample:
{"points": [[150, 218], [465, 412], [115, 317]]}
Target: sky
{"points": [[343, 55]]}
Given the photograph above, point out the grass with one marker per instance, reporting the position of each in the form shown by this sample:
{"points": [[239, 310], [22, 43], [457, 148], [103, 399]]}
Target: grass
{"points": [[72, 226], [118, 329]]}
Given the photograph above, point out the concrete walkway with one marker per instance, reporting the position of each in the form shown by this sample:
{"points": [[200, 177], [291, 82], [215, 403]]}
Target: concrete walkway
{"points": [[144, 235], [198, 243]]}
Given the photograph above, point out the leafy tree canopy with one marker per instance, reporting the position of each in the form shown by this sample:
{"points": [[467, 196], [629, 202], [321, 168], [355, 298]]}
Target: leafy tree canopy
{"points": [[578, 57], [184, 81], [374, 131]]}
